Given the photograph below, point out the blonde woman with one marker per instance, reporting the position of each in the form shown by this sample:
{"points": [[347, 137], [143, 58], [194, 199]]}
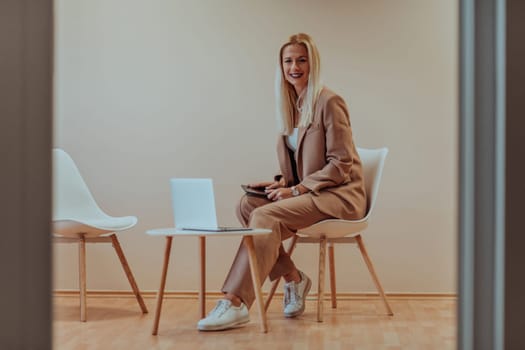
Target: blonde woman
{"points": [[321, 178]]}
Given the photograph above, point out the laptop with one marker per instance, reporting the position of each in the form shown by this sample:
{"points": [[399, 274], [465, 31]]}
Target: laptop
{"points": [[193, 204]]}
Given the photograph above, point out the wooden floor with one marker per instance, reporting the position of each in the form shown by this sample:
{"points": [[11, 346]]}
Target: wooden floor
{"points": [[117, 323]]}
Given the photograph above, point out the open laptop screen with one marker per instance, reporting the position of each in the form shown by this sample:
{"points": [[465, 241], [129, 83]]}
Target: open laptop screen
{"points": [[193, 203]]}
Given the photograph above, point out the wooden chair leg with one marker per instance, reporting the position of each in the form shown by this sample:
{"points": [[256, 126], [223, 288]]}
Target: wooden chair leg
{"points": [[202, 291], [320, 282], [331, 263], [368, 262], [160, 294], [82, 276], [275, 283], [129, 274]]}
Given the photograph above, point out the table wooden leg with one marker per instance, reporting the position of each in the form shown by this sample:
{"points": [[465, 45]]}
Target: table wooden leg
{"points": [[248, 241], [160, 294], [202, 291]]}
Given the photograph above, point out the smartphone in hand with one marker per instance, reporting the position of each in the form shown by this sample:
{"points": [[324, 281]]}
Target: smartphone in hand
{"points": [[256, 191]]}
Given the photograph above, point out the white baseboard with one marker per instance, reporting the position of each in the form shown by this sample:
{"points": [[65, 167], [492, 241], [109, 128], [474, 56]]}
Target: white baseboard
{"points": [[216, 294]]}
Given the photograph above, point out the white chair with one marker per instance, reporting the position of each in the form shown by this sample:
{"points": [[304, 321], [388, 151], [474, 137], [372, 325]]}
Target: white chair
{"points": [[78, 219], [343, 231]]}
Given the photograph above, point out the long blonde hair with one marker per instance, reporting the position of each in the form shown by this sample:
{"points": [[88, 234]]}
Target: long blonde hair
{"points": [[285, 95]]}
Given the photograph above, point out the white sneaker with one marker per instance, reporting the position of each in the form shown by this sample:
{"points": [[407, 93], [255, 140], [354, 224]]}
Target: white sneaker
{"points": [[295, 295], [225, 315]]}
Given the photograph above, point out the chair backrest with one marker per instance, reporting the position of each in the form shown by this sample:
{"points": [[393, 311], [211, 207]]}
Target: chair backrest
{"points": [[373, 161], [71, 196]]}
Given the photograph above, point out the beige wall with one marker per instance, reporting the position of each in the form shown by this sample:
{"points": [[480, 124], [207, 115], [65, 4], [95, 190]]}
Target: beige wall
{"points": [[150, 90]]}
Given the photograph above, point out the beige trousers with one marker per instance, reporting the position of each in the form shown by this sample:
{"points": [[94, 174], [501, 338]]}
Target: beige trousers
{"points": [[284, 218]]}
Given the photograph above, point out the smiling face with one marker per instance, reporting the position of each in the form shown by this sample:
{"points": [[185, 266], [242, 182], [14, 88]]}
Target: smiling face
{"points": [[296, 67]]}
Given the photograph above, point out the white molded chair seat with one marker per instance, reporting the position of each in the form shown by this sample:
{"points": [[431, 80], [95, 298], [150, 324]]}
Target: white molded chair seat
{"points": [[92, 227], [333, 228], [78, 219], [74, 208], [333, 231]]}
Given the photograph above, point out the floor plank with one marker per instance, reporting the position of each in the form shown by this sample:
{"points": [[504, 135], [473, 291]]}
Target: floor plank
{"points": [[117, 323]]}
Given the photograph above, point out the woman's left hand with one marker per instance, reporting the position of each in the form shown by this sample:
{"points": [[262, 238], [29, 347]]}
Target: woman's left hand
{"points": [[279, 193]]}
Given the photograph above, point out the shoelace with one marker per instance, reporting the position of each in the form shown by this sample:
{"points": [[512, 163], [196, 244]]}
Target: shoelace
{"points": [[291, 295], [221, 307]]}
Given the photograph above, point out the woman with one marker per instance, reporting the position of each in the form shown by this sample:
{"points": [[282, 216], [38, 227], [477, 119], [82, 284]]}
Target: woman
{"points": [[321, 178]]}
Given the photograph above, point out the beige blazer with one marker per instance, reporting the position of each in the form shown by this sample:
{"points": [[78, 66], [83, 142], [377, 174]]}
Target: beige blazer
{"points": [[327, 160]]}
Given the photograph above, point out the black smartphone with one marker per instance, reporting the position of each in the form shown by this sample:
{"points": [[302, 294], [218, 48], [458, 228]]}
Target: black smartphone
{"points": [[256, 191]]}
